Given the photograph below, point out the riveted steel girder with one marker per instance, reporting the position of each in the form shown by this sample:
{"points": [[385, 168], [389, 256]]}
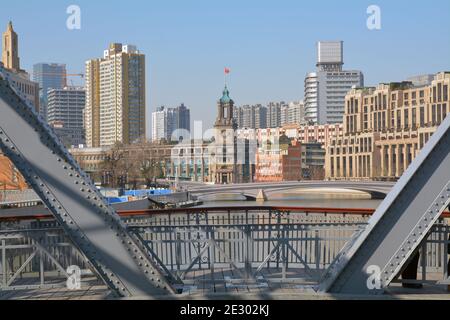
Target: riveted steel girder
{"points": [[368, 264], [117, 256]]}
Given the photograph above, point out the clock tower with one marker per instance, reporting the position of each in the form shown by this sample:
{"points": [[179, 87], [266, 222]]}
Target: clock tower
{"points": [[223, 153]]}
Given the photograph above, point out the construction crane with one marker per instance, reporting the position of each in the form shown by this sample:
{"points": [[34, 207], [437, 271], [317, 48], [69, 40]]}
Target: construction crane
{"points": [[65, 75]]}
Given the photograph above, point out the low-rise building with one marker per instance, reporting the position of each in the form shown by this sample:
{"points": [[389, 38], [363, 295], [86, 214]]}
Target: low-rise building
{"points": [[278, 162]]}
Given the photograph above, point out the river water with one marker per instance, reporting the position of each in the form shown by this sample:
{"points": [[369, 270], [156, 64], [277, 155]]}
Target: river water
{"points": [[293, 199]]}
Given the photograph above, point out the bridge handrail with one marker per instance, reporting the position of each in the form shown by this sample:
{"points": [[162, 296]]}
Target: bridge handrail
{"points": [[149, 212]]}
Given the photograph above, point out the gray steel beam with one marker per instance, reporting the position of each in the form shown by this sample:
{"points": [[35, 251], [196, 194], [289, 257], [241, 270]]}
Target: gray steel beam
{"points": [[399, 225], [118, 257]]}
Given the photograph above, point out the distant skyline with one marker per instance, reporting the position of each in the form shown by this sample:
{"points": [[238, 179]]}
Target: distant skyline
{"points": [[268, 45]]}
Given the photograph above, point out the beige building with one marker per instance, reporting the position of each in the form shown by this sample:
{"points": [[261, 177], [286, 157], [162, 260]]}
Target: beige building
{"points": [[115, 97], [10, 178], [128, 160], [10, 67], [386, 127], [10, 52]]}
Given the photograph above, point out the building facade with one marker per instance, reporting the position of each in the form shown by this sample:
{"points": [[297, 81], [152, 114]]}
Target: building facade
{"points": [[231, 160], [65, 114], [171, 124], [125, 160], [251, 116], [274, 114], [325, 89], [278, 162], [385, 128], [115, 97], [304, 134], [10, 49], [48, 76], [10, 178]]}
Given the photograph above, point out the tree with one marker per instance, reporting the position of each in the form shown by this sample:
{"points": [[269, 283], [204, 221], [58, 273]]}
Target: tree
{"points": [[111, 166]]}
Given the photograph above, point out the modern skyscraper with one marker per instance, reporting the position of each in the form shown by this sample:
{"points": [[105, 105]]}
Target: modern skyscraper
{"points": [[166, 122], [10, 52], [183, 115], [65, 114], [115, 97], [49, 76], [326, 88]]}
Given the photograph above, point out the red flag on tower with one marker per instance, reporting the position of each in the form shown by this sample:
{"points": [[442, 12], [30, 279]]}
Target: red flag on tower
{"points": [[227, 71]]}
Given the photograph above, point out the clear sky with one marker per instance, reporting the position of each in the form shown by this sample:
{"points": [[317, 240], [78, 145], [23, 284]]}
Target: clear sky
{"points": [[268, 45]]}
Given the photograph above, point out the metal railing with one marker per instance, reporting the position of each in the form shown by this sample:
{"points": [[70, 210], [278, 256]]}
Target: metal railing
{"points": [[19, 198], [252, 245]]}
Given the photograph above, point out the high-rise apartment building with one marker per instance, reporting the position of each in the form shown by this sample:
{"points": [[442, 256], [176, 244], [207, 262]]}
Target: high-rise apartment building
{"points": [[115, 97], [296, 113], [326, 88], [251, 117], [385, 128], [168, 122], [49, 76], [260, 117], [274, 114], [65, 114]]}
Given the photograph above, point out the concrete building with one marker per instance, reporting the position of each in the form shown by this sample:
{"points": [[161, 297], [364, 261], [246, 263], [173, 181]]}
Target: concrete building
{"points": [[292, 114], [48, 76], [313, 161], [304, 134], [189, 162], [29, 90], [115, 97], [279, 162], [10, 67], [385, 127], [92, 160], [274, 114], [171, 124], [10, 178], [10, 51], [65, 114], [250, 117], [325, 89]]}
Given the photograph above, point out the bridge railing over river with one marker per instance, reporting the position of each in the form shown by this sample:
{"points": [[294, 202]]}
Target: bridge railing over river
{"points": [[252, 245]]}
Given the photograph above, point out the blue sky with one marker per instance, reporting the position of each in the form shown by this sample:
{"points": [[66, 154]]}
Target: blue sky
{"points": [[269, 45]]}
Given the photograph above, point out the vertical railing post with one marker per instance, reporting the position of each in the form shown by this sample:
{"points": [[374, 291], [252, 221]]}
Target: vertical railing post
{"points": [[178, 252], [248, 252], [4, 271], [41, 263], [317, 251], [212, 248], [446, 251], [424, 257]]}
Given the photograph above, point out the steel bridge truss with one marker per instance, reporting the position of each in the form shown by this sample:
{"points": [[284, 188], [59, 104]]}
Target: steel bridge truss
{"points": [[252, 249], [126, 261], [117, 257]]}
